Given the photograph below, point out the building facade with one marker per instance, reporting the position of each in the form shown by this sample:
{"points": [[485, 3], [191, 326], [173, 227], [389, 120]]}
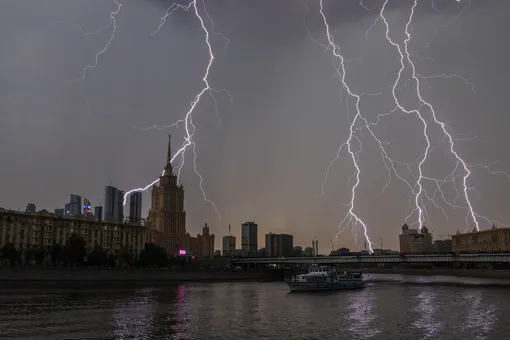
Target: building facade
{"points": [[229, 245], [45, 229], [87, 208], [483, 241], [113, 204], [414, 241], [73, 208], [135, 208], [31, 208], [443, 246], [167, 215], [98, 212], [315, 247], [74, 205], [203, 245], [279, 245], [249, 238]]}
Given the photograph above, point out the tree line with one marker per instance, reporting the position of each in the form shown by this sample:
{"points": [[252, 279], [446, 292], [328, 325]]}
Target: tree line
{"points": [[74, 254]]}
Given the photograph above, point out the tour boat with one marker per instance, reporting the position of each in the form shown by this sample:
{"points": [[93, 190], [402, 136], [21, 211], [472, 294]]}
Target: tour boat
{"points": [[323, 278]]}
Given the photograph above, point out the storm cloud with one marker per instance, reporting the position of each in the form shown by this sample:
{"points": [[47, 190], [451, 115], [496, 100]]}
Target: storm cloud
{"points": [[264, 157]]}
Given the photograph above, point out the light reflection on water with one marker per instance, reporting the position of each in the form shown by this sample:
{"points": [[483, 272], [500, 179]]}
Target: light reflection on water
{"points": [[130, 316], [426, 310], [258, 311], [361, 315], [481, 315]]}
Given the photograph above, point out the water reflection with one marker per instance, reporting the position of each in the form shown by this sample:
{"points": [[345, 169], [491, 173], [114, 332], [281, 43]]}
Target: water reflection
{"points": [[180, 311], [132, 317], [181, 316], [427, 309], [257, 311], [361, 314], [481, 315]]}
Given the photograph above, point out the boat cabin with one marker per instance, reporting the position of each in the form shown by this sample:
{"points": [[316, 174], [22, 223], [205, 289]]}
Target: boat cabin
{"points": [[318, 273]]}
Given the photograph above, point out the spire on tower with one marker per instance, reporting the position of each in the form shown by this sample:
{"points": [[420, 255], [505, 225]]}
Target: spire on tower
{"points": [[169, 154]]}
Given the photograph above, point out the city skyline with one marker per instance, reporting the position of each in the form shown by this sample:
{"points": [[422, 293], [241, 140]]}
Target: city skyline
{"points": [[264, 157]]}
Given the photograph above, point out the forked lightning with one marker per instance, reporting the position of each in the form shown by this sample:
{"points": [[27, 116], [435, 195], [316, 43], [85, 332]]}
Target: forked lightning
{"points": [[425, 113], [187, 121], [417, 190]]}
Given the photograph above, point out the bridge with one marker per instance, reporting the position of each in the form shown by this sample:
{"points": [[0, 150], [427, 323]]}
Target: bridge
{"points": [[429, 258]]}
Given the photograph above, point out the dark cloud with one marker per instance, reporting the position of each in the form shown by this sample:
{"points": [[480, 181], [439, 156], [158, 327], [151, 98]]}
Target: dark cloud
{"points": [[266, 161]]}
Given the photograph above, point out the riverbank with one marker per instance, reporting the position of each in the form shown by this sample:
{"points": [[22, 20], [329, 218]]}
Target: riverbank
{"points": [[473, 273], [99, 277]]}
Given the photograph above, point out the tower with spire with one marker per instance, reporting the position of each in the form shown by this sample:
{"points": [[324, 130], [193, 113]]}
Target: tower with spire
{"points": [[168, 165], [167, 215]]}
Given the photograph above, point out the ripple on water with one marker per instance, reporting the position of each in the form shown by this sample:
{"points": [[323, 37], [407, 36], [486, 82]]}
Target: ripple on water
{"points": [[387, 310]]}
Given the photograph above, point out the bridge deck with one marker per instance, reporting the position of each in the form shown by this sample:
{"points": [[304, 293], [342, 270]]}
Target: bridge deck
{"points": [[429, 258]]}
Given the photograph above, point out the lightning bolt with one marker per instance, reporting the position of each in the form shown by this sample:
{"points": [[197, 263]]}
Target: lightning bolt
{"points": [[425, 113], [187, 121], [113, 25], [351, 218], [405, 57]]}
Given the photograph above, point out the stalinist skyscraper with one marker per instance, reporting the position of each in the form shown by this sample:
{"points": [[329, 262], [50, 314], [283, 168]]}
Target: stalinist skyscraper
{"points": [[167, 214]]}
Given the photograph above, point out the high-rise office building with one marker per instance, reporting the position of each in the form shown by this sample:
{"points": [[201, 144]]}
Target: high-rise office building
{"points": [[113, 203], [67, 209], [87, 209], [315, 247], [98, 212], [229, 245], [135, 208], [75, 205], [249, 238], [110, 204], [120, 205], [31, 209], [278, 245]]}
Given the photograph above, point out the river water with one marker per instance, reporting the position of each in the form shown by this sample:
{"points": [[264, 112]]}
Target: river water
{"points": [[392, 307]]}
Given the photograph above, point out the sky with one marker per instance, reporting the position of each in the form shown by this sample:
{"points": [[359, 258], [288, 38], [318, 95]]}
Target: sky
{"points": [[263, 153]]}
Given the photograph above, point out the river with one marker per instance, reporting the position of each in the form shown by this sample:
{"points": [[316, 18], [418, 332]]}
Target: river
{"points": [[391, 307]]}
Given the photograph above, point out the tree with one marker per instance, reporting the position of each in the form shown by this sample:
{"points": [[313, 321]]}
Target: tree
{"points": [[74, 250], [97, 257], [39, 255], [9, 253], [153, 256], [29, 255], [35, 254], [56, 254], [125, 257], [111, 260]]}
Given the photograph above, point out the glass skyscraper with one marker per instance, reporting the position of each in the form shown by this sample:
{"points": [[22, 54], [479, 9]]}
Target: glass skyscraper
{"points": [[113, 203]]}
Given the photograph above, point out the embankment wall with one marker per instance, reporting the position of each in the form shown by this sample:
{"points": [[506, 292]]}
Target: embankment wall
{"points": [[477, 273], [14, 277]]}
